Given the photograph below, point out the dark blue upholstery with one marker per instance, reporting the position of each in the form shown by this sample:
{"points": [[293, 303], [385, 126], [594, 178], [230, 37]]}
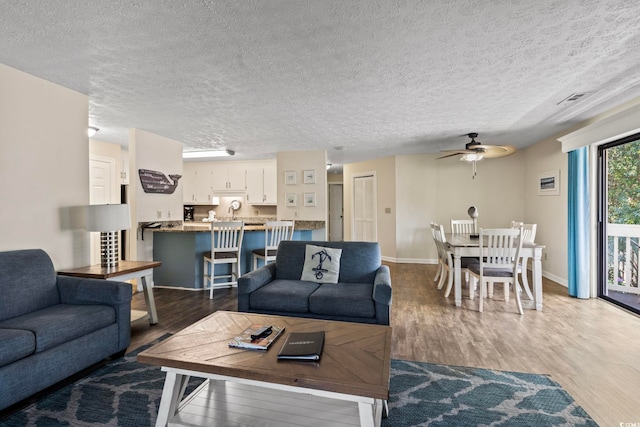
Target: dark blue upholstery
{"points": [[33, 286], [363, 293], [283, 295], [15, 344], [54, 326]]}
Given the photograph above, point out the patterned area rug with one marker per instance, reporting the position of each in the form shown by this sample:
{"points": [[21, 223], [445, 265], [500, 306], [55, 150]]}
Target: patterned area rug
{"points": [[126, 393]]}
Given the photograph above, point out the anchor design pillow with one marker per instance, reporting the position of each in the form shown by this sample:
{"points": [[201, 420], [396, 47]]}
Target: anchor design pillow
{"points": [[321, 265]]}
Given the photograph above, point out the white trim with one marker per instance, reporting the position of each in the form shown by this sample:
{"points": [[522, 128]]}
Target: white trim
{"points": [[606, 130], [409, 260], [559, 280]]}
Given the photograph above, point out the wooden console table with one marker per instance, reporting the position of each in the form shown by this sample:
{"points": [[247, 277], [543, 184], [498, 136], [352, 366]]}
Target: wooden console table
{"points": [[125, 270]]}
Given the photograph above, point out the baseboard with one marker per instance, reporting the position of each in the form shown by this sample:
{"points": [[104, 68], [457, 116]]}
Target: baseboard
{"points": [[182, 288], [409, 260], [559, 280]]}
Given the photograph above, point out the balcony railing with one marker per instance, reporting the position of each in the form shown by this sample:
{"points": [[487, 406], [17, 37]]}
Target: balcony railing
{"points": [[623, 247]]}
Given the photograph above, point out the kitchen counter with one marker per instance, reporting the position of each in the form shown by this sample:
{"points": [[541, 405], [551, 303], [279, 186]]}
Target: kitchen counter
{"points": [[200, 226], [181, 246]]}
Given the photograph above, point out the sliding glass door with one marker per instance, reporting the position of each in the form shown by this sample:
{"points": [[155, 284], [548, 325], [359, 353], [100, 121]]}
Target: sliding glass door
{"points": [[619, 221]]}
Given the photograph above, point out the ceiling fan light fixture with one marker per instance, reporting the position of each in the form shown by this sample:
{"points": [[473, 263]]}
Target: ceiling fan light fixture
{"points": [[471, 157]]}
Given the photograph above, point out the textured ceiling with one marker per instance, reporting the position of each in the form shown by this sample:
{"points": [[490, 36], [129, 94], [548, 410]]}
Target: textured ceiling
{"points": [[361, 79]]}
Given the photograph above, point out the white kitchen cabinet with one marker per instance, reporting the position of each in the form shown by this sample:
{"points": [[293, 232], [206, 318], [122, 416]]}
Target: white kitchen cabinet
{"points": [[271, 184], [197, 181], [261, 184], [228, 177]]}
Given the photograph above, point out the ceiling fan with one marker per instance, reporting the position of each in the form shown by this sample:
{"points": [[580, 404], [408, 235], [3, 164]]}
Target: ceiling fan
{"points": [[474, 151]]}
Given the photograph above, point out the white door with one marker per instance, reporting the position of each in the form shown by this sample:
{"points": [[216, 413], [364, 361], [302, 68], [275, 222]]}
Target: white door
{"points": [[102, 171], [335, 212], [364, 208]]}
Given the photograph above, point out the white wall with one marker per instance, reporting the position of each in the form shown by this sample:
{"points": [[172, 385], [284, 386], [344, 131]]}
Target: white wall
{"points": [[154, 152], [298, 161], [549, 212], [420, 189], [44, 168]]}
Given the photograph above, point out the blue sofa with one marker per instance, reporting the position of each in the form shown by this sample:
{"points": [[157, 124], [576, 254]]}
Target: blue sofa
{"points": [[54, 326], [362, 294]]}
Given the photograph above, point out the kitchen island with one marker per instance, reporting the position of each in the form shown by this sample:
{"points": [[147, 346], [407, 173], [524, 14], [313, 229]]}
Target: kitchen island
{"points": [[180, 247]]}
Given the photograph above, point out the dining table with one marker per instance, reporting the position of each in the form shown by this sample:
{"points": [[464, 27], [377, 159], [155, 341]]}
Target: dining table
{"points": [[463, 245]]}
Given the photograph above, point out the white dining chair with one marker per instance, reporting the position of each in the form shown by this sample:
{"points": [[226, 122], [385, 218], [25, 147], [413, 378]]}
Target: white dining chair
{"points": [[499, 264], [445, 260], [226, 245], [433, 226], [528, 236], [445, 265], [274, 233], [462, 226]]}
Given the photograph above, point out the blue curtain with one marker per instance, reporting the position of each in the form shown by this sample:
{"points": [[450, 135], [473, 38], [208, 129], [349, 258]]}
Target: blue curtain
{"points": [[579, 223]]}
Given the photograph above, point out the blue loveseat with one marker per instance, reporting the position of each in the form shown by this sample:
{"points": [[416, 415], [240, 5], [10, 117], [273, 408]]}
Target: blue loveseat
{"points": [[362, 294], [54, 326]]}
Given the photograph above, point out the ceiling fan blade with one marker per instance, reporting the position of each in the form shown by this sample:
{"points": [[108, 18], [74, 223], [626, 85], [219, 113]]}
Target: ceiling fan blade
{"points": [[450, 155], [495, 151], [461, 151]]}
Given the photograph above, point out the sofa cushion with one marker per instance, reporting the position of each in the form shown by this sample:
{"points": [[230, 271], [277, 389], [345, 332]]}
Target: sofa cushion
{"points": [[27, 282], [283, 295], [321, 264], [16, 344], [343, 299], [62, 322], [359, 261]]}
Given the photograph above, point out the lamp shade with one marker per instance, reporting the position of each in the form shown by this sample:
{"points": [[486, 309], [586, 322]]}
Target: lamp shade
{"points": [[473, 212], [108, 217]]}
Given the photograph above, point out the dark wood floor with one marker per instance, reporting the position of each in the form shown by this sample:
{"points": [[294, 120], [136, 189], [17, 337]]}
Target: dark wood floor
{"points": [[590, 347]]}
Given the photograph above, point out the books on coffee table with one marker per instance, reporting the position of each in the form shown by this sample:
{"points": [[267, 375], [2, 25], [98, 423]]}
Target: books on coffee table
{"points": [[302, 346], [257, 337]]}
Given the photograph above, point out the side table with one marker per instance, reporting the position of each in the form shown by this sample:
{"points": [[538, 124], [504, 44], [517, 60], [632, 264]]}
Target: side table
{"points": [[125, 270]]}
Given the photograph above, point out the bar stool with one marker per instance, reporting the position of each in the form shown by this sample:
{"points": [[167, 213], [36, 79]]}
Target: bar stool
{"points": [[226, 243], [274, 233]]}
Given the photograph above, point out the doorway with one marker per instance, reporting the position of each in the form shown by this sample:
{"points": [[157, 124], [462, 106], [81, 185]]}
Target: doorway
{"points": [[619, 222], [365, 224], [336, 214], [102, 171]]}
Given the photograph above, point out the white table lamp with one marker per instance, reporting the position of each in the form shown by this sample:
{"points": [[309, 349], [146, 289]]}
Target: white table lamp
{"points": [[108, 220]]}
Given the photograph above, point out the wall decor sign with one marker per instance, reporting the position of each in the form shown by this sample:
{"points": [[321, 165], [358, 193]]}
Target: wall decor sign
{"points": [[309, 176], [290, 177], [290, 199], [309, 199], [157, 182], [549, 183]]}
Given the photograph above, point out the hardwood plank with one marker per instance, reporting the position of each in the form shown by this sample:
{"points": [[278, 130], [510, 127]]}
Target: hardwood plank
{"points": [[590, 347]]}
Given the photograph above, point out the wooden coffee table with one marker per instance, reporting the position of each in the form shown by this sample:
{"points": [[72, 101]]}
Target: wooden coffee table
{"points": [[349, 386]]}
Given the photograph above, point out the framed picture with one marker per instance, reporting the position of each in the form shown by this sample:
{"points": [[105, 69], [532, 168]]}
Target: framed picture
{"points": [[309, 199], [309, 176], [549, 183], [290, 177], [290, 199]]}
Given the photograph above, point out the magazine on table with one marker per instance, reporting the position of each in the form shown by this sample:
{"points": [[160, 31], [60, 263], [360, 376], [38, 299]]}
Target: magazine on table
{"points": [[302, 346], [257, 337]]}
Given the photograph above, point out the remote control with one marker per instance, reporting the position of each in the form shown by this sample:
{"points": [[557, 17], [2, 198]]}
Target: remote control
{"points": [[264, 332]]}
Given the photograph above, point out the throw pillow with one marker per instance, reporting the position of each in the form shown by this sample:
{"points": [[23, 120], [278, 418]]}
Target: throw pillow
{"points": [[321, 265]]}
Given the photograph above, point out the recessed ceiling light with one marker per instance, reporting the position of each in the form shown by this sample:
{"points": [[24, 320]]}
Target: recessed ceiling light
{"points": [[206, 154], [92, 131]]}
